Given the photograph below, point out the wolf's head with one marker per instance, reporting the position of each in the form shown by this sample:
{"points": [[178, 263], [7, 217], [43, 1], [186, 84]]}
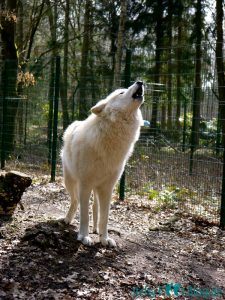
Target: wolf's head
{"points": [[121, 101]]}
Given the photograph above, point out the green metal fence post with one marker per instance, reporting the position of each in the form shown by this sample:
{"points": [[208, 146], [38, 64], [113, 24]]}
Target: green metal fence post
{"points": [[51, 109], [222, 208], [55, 118], [127, 75]]}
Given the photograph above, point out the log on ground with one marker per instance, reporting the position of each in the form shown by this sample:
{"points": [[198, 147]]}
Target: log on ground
{"points": [[12, 186]]}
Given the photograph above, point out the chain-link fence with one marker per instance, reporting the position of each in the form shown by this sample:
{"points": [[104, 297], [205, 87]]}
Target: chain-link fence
{"points": [[161, 172], [165, 168], [26, 135], [175, 164]]}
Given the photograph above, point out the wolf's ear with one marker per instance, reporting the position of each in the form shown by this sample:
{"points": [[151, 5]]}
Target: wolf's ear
{"points": [[98, 108]]}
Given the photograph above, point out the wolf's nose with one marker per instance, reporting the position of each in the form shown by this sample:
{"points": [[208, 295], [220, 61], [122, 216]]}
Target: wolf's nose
{"points": [[139, 82]]}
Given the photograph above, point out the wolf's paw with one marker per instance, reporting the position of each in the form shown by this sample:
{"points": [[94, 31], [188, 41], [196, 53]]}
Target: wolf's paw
{"points": [[95, 230], [107, 242], [67, 221], [85, 240], [60, 220]]}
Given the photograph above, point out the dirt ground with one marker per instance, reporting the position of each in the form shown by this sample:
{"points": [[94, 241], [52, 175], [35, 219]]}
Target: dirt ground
{"points": [[164, 255]]}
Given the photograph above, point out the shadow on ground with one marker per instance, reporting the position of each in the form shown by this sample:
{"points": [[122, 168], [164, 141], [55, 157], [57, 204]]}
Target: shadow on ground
{"points": [[48, 263]]}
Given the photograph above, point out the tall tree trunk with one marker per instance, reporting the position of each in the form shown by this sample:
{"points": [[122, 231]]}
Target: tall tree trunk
{"points": [[9, 75], [19, 42], [169, 68], [52, 17], [64, 85], [120, 44], [113, 37], [220, 64], [178, 77], [83, 107], [198, 82], [157, 69], [179, 64]]}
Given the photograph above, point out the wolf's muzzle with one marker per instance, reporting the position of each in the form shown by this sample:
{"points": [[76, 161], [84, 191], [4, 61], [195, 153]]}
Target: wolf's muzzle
{"points": [[138, 95]]}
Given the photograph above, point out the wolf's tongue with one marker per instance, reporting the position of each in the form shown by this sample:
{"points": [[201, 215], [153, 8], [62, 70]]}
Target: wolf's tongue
{"points": [[138, 93]]}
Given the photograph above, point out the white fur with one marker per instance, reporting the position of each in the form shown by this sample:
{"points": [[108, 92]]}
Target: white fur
{"points": [[94, 155]]}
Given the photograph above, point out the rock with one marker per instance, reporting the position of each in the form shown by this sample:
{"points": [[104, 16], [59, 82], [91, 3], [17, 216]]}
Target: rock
{"points": [[12, 186]]}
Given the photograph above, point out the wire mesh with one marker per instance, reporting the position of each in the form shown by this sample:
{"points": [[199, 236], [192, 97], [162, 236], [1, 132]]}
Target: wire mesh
{"points": [[168, 166], [161, 167], [30, 118], [161, 172]]}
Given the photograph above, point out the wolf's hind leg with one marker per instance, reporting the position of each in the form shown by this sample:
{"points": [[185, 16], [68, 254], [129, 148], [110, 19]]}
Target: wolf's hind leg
{"points": [[72, 190]]}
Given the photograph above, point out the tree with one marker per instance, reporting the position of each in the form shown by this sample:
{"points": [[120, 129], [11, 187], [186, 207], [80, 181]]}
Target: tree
{"points": [[120, 44], [107, 20], [158, 12], [38, 13], [198, 81], [9, 73], [180, 9], [19, 42], [83, 107], [220, 64], [64, 82], [91, 36], [169, 68], [52, 18], [25, 46]]}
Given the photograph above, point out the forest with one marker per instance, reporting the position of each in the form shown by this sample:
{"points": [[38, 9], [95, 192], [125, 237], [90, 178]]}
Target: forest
{"points": [[57, 59], [176, 46]]}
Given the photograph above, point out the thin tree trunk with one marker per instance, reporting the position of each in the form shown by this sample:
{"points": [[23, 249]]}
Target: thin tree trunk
{"points": [[169, 84], [179, 65], [178, 78], [198, 81], [157, 69], [52, 17], [120, 44], [113, 36], [19, 41], [64, 85], [83, 107]]}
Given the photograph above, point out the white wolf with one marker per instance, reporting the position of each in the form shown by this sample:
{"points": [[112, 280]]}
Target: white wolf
{"points": [[94, 155]]}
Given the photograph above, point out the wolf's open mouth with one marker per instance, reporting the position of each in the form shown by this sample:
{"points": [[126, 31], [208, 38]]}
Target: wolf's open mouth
{"points": [[138, 94]]}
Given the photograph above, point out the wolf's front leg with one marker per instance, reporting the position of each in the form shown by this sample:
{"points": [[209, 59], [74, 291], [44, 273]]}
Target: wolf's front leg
{"points": [[83, 234], [104, 196], [95, 213]]}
